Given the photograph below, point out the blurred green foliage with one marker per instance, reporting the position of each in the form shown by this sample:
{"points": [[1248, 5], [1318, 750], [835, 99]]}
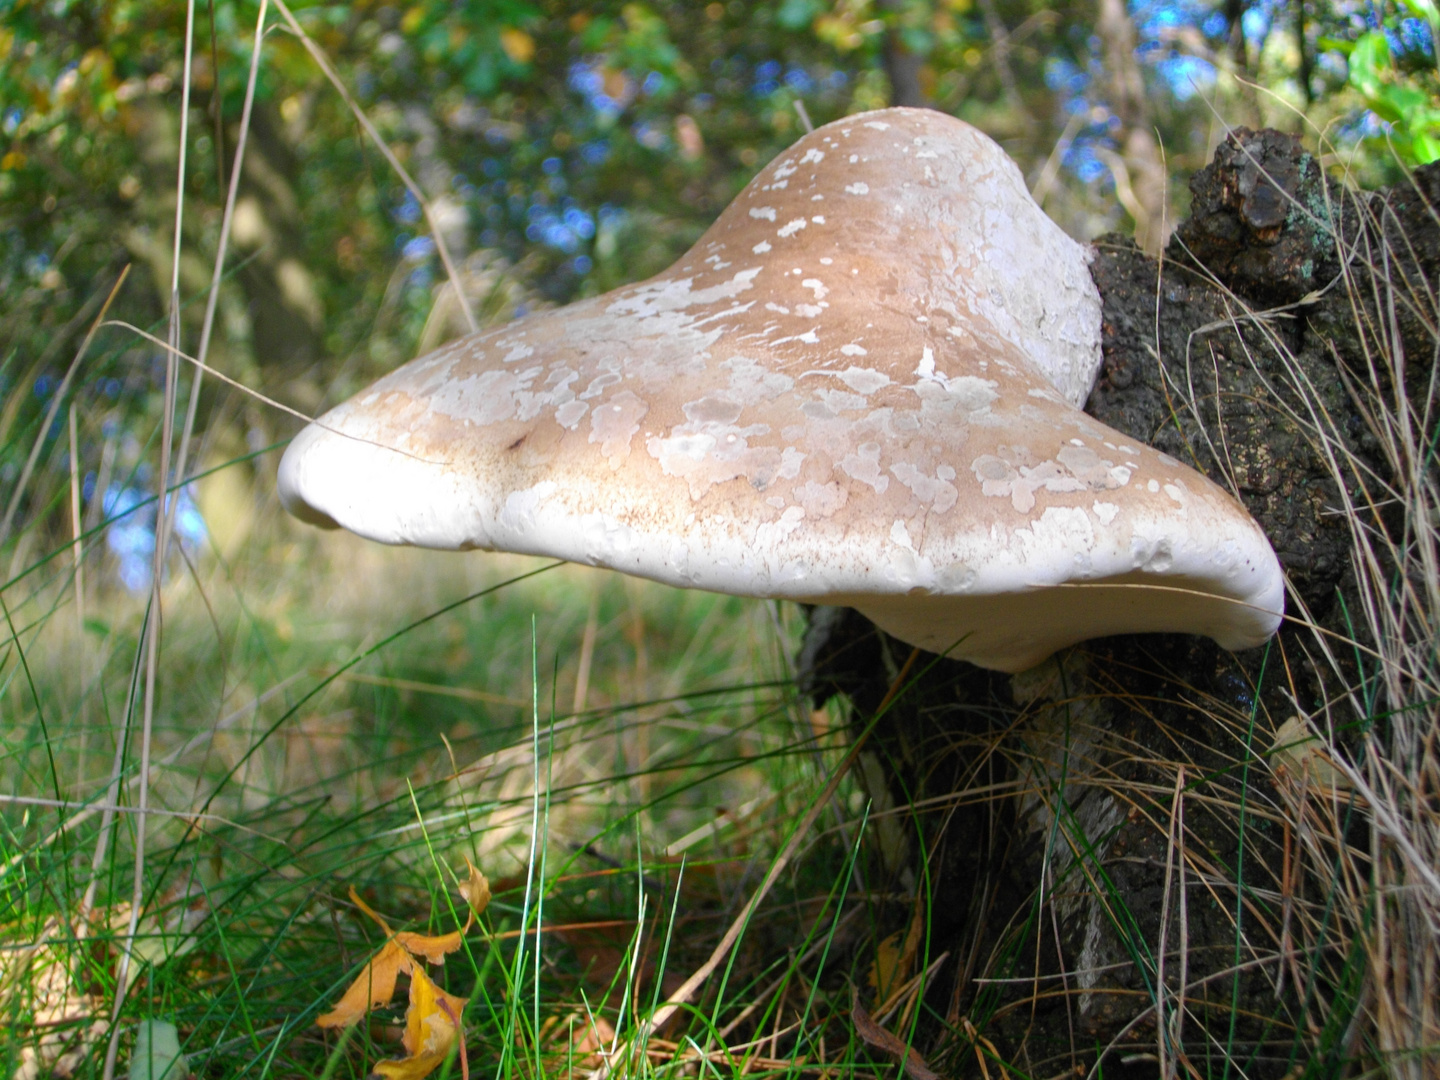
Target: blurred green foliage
{"points": [[1399, 81], [564, 149]]}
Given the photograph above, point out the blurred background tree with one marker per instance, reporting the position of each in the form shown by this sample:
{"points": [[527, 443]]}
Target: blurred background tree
{"points": [[563, 149]]}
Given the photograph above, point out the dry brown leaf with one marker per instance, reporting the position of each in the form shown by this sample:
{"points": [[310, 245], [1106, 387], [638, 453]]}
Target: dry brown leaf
{"points": [[877, 1038], [895, 959], [433, 949], [368, 910], [598, 1035], [475, 890], [885, 974], [589, 1038], [432, 1028]]}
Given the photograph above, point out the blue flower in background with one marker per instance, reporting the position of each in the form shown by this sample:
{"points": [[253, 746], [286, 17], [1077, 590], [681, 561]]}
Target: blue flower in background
{"points": [[131, 538], [409, 210], [1186, 75], [588, 80], [564, 228], [767, 78]]}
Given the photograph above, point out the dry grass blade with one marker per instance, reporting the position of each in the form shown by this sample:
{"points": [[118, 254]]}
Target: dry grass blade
{"points": [[226, 221], [174, 352], [877, 1038], [163, 521]]}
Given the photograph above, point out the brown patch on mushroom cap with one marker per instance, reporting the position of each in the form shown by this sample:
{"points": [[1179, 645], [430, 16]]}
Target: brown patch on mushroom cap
{"points": [[859, 387]]}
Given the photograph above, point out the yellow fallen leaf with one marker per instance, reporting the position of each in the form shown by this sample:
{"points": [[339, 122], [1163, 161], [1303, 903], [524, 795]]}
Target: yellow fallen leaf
{"points": [[432, 1028], [433, 949], [475, 890], [373, 987], [895, 959]]}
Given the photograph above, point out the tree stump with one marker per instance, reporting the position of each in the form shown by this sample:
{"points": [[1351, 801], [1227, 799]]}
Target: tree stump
{"points": [[1088, 837]]}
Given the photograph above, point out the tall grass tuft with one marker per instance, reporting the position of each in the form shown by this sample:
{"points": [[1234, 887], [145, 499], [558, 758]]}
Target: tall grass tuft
{"points": [[1389, 883]]}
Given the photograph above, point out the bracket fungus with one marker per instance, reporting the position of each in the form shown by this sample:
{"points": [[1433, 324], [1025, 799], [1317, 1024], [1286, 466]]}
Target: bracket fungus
{"points": [[861, 386]]}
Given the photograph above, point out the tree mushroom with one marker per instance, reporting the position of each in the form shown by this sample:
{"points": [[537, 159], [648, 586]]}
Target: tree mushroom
{"points": [[861, 386]]}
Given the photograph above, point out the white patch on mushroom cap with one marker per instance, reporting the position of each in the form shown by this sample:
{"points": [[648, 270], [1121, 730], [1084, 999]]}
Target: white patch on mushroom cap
{"points": [[864, 465], [614, 423], [570, 414], [936, 490], [658, 295], [863, 380]]}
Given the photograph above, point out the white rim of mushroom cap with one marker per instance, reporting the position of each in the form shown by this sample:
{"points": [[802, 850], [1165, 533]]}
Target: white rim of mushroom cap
{"points": [[861, 387]]}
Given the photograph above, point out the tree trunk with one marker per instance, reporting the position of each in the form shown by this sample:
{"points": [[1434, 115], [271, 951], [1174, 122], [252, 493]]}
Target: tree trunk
{"points": [[1138, 169], [902, 67], [286, 316]]}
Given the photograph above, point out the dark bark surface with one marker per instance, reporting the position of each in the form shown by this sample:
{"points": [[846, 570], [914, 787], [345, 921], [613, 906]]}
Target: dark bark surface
{"points": [[1042, 806]]}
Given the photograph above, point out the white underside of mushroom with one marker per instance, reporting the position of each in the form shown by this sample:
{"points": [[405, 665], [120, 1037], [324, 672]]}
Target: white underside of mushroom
{"points": [[1001, 602], [859, 387]]}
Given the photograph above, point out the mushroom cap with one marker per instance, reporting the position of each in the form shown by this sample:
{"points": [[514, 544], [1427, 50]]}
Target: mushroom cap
{"points": [[859, 387]]}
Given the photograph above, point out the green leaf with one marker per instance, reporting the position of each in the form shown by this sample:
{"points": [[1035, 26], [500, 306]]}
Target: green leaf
{"points": [[1409, 103], [1427, 148], [157, 1053], [1369, 60]]}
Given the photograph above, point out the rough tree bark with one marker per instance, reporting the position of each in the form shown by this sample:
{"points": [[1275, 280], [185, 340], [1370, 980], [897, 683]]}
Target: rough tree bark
{"points": [[1042, 805]]}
